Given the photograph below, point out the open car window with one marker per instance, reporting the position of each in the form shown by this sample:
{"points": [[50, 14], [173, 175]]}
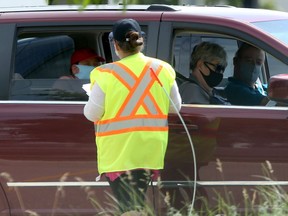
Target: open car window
{"points": [[42, 58], [183, 45]]}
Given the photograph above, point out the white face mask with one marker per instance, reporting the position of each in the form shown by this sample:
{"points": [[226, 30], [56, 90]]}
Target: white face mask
{"points": [[84, 71], [250, 72]]}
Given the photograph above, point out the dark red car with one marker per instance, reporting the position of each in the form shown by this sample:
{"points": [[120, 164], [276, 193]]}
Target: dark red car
{"points": [[47, 147]]}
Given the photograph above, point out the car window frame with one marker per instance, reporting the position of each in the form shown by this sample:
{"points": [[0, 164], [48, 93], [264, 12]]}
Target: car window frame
{"points": [[7, 58], [175, 26], [31, 31]]}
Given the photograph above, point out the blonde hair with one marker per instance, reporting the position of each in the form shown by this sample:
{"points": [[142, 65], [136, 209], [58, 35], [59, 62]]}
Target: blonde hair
{"points": [[209, 52]]}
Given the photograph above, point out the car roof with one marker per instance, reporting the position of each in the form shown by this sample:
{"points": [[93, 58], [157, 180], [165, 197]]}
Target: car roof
{"points": [[226, 12], [244, 14]]}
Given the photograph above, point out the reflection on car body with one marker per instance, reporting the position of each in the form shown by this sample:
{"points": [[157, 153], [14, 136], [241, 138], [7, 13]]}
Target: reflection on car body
{"points": [[46, 143]]}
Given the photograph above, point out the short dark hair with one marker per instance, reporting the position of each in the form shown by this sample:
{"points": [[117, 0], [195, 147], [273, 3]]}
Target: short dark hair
{"points": [[244, 46]]}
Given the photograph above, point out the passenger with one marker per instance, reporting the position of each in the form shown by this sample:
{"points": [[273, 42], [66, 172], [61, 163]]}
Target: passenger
{"points": [[83, 61], [241, 88], [130, 109], [207, 64]]}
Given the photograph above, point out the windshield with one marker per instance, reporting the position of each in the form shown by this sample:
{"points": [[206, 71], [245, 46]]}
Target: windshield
{"points": [[277, 28]]}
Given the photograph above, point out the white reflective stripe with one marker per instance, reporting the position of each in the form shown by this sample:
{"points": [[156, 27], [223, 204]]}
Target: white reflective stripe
{"points": [[139, 91], [137, 94], [59, 184], [121, 72], [235, 183], [56, 184], [131, 104], [143, 85], [163, 183], [125, 124], [150, 104]]}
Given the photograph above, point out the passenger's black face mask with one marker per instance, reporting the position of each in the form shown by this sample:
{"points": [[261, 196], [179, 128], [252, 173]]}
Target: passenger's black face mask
{"points": [[213, 79]]}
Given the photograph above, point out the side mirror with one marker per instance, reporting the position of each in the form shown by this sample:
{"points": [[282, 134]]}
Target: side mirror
{"points": [[278, 88]]}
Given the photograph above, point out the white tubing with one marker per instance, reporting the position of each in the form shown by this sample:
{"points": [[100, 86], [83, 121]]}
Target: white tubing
{"points": [[190, 141]]}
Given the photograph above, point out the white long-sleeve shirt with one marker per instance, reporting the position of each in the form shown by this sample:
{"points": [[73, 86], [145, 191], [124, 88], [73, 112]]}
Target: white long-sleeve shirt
{"points": [[94, 108]]}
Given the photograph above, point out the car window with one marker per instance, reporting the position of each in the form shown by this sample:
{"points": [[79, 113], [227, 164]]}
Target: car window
{"points": [[184, 44], [42, 58], [277, 28], [276, 66]]}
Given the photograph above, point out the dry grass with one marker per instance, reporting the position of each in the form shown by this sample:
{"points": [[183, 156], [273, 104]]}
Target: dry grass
{"points": [[261, 201]]}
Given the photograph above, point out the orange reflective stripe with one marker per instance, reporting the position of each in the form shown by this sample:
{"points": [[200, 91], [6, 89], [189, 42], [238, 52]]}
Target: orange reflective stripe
{"points": [[155, 104], [140, 101], [138, 123], [148, 93], [143, 96], [108, 70], [115, 132], [132, 91], [124, 67], [124, 118], [139, 95]]}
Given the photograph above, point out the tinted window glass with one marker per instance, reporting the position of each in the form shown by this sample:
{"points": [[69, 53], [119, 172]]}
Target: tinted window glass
{"points": [[183, 47], [275, 66], [41, 60]]}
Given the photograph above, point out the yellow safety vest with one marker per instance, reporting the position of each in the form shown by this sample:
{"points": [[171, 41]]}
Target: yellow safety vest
{"points": [[133, 132]]}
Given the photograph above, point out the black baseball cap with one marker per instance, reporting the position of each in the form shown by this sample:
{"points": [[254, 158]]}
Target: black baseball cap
{"points": [[122, 27]]}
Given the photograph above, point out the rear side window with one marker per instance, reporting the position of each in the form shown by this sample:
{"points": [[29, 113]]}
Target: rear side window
{"points": [[43, 57], [41, 60]]}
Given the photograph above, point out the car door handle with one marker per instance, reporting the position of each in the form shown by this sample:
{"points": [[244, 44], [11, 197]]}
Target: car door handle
{"points": [[179, 126], [192, 127]]}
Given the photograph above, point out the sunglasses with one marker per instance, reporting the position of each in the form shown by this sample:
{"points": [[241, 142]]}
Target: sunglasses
{"points": [[218, 68]]}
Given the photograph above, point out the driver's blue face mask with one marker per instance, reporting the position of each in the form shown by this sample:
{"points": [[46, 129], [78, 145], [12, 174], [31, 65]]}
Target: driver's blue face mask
{"points": [[84, 71]]}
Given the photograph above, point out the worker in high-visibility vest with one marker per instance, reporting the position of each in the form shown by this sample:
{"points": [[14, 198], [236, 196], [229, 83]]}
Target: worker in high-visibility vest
{"points": [[129, 109]]}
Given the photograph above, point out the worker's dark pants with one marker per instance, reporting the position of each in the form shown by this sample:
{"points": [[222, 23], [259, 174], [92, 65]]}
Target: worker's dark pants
{"points": [[130, 189]]}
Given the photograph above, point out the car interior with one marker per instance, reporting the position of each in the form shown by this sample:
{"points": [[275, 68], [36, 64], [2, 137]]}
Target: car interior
{"points": [[184, 42], [41, 58]]}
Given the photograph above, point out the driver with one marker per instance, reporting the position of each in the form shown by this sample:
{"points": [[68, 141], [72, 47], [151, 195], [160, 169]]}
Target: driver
{"points": [[242, 88]]}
